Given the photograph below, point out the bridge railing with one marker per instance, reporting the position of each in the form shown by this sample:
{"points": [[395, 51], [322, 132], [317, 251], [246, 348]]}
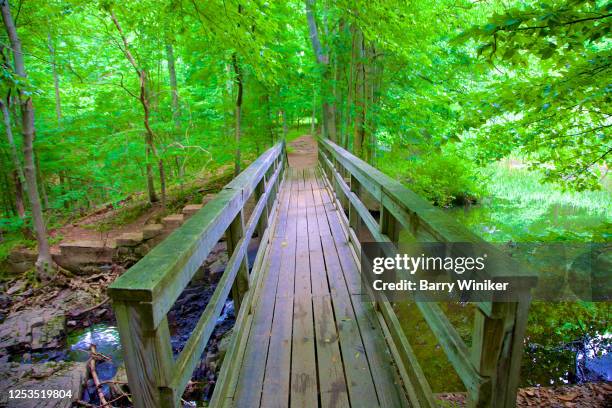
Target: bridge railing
{"points": [[144, 294], [490, 368]]}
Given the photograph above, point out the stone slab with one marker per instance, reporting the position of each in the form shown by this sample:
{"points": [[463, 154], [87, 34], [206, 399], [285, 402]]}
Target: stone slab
{"points": [[129, 239]]}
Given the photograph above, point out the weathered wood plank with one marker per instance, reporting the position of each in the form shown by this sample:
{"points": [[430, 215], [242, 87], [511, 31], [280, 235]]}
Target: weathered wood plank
{"points": [[277, 375], [303, 360], [333, 389], [228, 375], [357, 371], [250, 379]]}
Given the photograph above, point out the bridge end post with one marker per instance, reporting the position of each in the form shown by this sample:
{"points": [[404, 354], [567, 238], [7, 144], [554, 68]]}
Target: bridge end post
{"points": [[497, 347], [147, 353]]}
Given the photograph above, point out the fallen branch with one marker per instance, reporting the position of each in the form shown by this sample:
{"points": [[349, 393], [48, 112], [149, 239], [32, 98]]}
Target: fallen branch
{"points": [[89, 309], [91, 364]]}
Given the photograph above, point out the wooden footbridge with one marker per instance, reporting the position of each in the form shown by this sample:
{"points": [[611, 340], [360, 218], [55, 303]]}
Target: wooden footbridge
{"points": [[305, 334]]}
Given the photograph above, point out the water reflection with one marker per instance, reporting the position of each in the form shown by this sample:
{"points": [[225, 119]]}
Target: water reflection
{"points": [[106, 339]]}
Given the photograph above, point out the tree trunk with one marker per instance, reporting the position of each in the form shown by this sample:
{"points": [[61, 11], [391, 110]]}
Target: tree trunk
{"points": [[328, 102], [313, 119], [150, 150], [285, 126], [18, 170], [58, 103], [360, 108], [41, 183], [238, 113], [176, 106], [44, 263]]}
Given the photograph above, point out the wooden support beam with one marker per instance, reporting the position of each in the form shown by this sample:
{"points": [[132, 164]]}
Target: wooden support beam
{"points": [[235, 233], [147, 353]]}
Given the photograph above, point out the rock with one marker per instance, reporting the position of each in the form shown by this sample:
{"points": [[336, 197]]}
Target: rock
{"points": [[21, 260], [129, 239], [223, 345], [141, 250], [48, 334], [5, 301], [16, 288], [75, 256], [152, 230], [22, 254], [32, 329], [173, 221], [41, 328], [191, 209], [67, 377]]}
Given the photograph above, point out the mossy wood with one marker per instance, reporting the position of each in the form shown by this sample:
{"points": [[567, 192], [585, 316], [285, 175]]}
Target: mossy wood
{"points": [[301, 313], [490, 368]]}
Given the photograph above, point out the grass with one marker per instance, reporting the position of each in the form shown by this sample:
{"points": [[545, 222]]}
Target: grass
{"points": [[525, 187]]}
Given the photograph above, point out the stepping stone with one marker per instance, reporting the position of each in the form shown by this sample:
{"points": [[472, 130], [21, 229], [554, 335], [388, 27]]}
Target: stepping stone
{"points": [[152, 230], [129, 239], [173, 221], [191, 209]]}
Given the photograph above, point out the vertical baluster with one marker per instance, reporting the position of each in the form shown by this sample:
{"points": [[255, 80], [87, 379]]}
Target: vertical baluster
{"points": [[235, 232], [354, 220], [260, 190], [389, 224]]}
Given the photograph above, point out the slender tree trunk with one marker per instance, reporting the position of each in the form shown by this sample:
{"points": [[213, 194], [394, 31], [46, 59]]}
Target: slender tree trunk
{"points": [[328, 102], [176, 106], [44, 263], [350, 91], [269, 120], [360, 108], [238, 113], [150, 150], [18, 170], [176, 109], [283, 114], [41, 183], [313, 119], [58, 102]]}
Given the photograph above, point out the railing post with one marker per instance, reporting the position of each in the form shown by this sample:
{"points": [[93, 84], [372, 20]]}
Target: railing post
{"points": [[148, 355], [497, 345], [388, 224], [354, 220], [260, 190], [235, 232]]}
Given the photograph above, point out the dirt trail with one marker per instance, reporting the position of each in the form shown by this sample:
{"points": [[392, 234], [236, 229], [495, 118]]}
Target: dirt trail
{"points": [[302, 152]]}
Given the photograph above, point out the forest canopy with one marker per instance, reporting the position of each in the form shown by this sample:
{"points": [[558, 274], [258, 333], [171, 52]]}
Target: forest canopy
{"points": [[142, 96]]}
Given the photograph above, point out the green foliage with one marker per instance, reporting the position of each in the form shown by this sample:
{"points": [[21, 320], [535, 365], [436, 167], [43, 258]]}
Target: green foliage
{"points": [[549, 94], [442, 176]]}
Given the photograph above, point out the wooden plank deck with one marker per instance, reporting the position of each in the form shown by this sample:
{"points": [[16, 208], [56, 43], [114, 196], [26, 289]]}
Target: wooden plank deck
{"points": [[313, 341]]}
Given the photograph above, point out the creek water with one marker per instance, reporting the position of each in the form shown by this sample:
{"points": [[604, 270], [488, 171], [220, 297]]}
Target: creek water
{"points": [[567, 342]]}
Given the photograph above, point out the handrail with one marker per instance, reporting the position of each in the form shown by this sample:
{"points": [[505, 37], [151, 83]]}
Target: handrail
{"points": [[144, 295], [489, 368]]}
